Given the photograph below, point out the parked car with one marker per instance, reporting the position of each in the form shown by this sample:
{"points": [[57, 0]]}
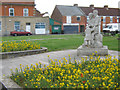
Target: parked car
{"points": [[112, 28], [20, 32]]}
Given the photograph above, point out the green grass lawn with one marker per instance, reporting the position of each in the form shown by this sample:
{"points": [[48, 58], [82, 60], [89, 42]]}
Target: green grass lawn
{"points": [[65, 41], [9, 38]]}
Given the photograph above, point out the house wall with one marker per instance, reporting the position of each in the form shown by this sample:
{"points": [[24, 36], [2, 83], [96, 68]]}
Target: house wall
{"points": [[107, 20], [8, 23], [56, 15], [1, 26], [18, 8], [114, 20], [74, 20], [0, 10]]}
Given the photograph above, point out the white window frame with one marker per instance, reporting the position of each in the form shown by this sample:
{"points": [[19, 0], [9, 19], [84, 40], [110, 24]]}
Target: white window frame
{"points": [[16, 25], [68, 19], [111, 19], [87, 18], [117, 19], [40, 25], [24, 13], [10, 12], [104, 19], [0, 26], [79, 17]]}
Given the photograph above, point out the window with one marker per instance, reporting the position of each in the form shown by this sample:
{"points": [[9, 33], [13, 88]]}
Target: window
{"points": [[0, 26], [17, 25], [78, 18], [110, 26], [11, 11], [118, 19], [68, 19], [87, 18], [25, 12], [111, 18], [115, 26], [40, 25], [104, 18], [27, 23]]}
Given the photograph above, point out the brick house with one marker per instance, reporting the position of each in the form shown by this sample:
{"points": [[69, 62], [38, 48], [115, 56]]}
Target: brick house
{"points": [[108, 15], [74, 18], [22, 14]]}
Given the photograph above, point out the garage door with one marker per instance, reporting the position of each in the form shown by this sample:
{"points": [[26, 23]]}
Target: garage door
{"points": [[70, 29], [40, 28]]}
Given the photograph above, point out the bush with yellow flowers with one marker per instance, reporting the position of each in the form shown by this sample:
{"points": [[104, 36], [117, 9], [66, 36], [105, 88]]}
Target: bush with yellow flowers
{"points": [[19, 46], [95, 73]]}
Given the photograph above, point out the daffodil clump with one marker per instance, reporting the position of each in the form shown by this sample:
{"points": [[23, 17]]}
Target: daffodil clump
{"points": [[19, 46], [95, 73]]}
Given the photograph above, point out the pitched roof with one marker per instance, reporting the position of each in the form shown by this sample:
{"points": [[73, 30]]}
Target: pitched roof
{"points": [[101, 11], [70, 10], [17, 0]]}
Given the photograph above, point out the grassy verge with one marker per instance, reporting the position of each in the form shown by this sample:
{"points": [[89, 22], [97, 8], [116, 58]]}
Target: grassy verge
{"points": [[9, 38], [95, 73], [63, 42]]}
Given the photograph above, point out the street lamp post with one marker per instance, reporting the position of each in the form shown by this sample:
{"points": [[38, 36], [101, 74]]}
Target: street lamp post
{"points": [[5, 20]]}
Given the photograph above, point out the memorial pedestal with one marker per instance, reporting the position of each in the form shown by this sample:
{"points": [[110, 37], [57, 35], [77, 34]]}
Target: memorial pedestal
{"points": [[89, 51]]}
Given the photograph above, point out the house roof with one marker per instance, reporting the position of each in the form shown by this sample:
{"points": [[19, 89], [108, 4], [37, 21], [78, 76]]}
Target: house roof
{"points": [[101, 11], [17, 0], [70, 10]]}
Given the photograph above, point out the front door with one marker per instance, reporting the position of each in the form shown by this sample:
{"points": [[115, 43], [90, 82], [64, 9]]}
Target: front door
{"points": [[82, 28], [28, 27]]}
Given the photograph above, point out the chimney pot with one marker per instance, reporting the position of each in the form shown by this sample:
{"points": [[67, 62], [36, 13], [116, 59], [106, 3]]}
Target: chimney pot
{"points": [[106, 7], [76, 5], [92, 6]]}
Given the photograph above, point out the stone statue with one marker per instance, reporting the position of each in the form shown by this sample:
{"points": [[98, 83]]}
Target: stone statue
{"points": [[93, 37]]}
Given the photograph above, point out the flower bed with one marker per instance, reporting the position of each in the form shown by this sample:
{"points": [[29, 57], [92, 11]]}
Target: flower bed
{"points": [[95, 73], [19, 46]]}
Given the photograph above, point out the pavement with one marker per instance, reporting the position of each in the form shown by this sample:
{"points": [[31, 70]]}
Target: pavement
{"points": [[7, 64]]}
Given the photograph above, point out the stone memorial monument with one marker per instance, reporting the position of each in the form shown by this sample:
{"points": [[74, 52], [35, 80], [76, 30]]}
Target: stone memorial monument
{"points": [[93, 37]]}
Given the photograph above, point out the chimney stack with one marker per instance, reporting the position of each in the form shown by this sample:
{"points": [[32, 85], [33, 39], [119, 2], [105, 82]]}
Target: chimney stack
{"points": [[92, 6], [75, 5], [106, 7]]}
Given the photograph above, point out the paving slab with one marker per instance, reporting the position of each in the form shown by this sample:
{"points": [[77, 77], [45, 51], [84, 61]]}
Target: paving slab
{"points": [[8, 64]]}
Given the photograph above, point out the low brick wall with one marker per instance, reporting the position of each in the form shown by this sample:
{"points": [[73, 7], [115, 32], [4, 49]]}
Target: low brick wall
{"points": [[7, 55]]}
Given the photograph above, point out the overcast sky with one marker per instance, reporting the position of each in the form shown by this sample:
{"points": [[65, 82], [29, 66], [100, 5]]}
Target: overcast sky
{"points": [[49, 5]]}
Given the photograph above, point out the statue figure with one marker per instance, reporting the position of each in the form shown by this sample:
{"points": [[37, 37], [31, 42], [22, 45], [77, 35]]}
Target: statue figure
{"points": [[89, 29], [93, 38]]}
